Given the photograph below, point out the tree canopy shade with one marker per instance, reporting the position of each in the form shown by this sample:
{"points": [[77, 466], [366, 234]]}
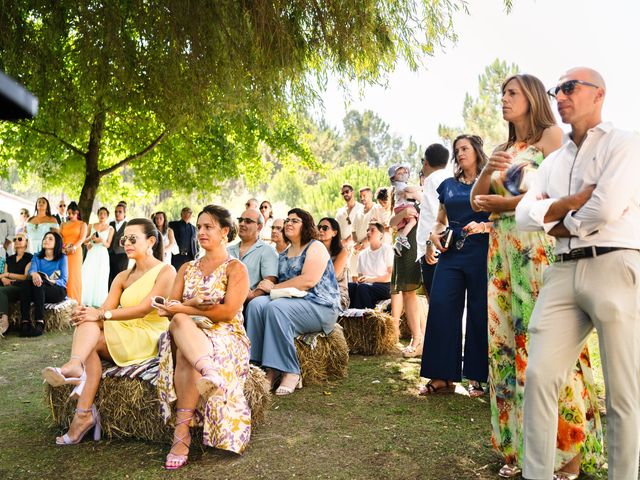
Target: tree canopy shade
{"points": [[184, 92]]}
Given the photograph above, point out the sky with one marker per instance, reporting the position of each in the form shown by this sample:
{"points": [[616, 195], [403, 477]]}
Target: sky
{"points": [[543, 37]]}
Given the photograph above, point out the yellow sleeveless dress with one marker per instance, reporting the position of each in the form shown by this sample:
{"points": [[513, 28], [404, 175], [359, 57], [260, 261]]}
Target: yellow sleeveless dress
{"points": [[135, 341]]}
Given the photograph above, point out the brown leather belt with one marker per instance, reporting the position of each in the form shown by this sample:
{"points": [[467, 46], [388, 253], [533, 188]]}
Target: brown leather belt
{"points": [[588, 252]]}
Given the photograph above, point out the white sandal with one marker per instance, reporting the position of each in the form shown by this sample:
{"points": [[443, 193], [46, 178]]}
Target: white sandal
{"points": [[54, 377], [283, 390]]}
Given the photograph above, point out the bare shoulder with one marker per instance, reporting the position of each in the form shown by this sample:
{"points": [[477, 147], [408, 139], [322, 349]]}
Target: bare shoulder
{"points": [[235, 266], [550, 140], [168, 269]]}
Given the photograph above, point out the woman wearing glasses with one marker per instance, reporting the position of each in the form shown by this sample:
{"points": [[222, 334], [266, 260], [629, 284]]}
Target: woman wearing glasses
{"points": [[125, 330], [329, 235], [310, 303], [460, 234], [516, 264], [40, 224], [266, 211], [15, 271]]}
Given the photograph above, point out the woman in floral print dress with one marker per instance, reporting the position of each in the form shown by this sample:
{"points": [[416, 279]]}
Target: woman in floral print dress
{"points": [[212, 348], [516, 264]]}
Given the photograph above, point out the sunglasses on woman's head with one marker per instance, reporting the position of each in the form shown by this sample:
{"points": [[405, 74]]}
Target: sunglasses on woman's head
{"points": [[131, 238]]}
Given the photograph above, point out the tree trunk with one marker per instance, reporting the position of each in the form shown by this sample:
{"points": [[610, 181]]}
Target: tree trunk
{"points": [[92, 175]]}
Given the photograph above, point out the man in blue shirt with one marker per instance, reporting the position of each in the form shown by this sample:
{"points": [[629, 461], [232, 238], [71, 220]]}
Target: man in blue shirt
{"points": [[260, 258]]}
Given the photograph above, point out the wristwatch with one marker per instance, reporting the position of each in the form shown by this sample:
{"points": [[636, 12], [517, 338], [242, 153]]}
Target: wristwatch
{"points": [[429, 243], [108, 315]]}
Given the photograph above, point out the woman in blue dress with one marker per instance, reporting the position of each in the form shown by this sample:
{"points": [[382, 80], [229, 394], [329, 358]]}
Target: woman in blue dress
{"points": [[40, 224], [273, 324], [461, 272]]}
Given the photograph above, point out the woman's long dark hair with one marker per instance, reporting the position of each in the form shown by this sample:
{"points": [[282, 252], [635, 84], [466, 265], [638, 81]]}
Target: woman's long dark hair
{"points": [[73, 206], [35, 210], [481, 157], [309, 231], [336, 242], [149, 230], [57, 247], [165, 224]]}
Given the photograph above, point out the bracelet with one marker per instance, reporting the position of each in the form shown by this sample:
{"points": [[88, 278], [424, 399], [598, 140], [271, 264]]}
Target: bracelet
{"points": [[101, 314]]}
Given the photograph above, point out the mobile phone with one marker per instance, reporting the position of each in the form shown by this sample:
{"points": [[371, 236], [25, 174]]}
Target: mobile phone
{"points": [[157, 301], [445, 237], [95, 234]]}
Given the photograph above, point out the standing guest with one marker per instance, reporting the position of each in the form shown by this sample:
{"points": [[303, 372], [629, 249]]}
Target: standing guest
{"points": [[516, 276], [329, 235], [95, 269], [7, 231], [260, 258], [586, 195], [279, 241], [433, 171], [267, 214], [159, 219], [125, 330], [346, 216], [46, 283], [15, 271], [40, 224], [74, 232], [252, 203], [375, 265], [461, 272], [22, 221], [61, 215], [186, 238], [118, 259], [359, 228], [212, 361], [272, 325]]}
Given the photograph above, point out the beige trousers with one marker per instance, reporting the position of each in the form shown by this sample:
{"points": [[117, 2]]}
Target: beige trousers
{"points": [[601, 292]]}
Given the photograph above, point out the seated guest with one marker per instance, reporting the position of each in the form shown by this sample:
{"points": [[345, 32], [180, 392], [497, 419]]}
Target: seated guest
{"points": [[272, 325], [15, 271], [260, 259], [41, 223], [329, 235], [374, 271], [46, 283], [212, 358], [124, 331], [280, 243]]}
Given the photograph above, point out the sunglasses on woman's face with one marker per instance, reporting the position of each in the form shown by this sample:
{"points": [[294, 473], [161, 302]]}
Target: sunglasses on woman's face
{"points": [[323, 228], [19, 239], [264, 207], [131, 238]]}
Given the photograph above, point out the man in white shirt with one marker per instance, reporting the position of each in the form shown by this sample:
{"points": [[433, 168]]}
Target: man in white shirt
{"points": [[586, 195], [346, 216], [434, 171], [359, 228]]}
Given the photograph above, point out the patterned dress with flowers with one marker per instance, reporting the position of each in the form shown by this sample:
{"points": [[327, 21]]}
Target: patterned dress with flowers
{"points": [[516, 264], [226, 419]]}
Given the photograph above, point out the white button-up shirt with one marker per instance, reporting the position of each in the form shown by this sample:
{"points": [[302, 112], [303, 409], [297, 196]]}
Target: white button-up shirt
{"points": [[345, 220], [608, 159], [429, 208]]}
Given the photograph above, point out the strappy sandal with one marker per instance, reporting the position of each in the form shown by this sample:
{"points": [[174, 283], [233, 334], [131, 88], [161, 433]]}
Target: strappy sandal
{"points": [[509, 471], [209, 385], [411, 351], [283, 390], [96, 425], [475, 390], [431, 389], [54, 377], [565, 476], [173, 461]]}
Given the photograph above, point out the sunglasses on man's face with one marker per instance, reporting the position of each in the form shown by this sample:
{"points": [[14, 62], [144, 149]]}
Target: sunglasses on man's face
{"points": [[62, 205], [568, 87], [131, 238], [248, 221]]}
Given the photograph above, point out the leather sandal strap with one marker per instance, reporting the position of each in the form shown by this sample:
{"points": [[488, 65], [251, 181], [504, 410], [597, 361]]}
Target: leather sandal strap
{"points": [[207, 366]]}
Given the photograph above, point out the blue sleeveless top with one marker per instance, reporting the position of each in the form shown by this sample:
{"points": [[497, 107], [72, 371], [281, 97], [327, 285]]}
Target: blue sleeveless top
{"points": [[326, 292]]}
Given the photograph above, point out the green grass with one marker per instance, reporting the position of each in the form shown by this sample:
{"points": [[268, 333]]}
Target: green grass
{"points": [[370, 425]]}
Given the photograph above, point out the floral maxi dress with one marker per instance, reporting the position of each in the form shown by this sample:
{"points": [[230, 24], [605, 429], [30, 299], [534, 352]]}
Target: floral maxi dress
{"points": [[226, 419], [516, 264]]}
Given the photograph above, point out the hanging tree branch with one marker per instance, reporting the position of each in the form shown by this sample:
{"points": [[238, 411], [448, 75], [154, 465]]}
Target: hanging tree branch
{"points": [[54, 135]]}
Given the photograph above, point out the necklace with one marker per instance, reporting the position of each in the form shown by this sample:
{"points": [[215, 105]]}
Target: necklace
{"points": [[467, 182]]}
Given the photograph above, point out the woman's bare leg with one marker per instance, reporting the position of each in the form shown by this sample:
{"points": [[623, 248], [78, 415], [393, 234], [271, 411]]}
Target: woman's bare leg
{"points": [[412, 313]]}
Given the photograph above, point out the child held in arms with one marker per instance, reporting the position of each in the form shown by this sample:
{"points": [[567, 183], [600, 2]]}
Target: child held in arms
{"points": [[405, 196]]}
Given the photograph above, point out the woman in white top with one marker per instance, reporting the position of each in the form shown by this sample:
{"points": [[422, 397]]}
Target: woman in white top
{"points": [[159, 219], [375, 264], [267, 214], [95, 269]]}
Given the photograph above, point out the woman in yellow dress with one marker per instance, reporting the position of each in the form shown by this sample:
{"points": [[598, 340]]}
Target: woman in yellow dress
{"points": [[125, 330], [73, 234]]}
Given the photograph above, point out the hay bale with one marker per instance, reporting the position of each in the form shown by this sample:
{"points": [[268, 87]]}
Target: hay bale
{"points": [[327, 359], [372, 333], [57, 316], [129, 408]]}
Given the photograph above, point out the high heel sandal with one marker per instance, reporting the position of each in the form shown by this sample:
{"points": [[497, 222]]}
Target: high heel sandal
{"points": [[54, 377], [411, 351], [96, 425], [509, 471], [283, 390], [209, 385], [173, 461], [565, 476]]}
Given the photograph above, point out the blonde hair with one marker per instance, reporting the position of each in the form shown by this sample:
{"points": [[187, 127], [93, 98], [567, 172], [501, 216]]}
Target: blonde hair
{"points": [[540, 114]]}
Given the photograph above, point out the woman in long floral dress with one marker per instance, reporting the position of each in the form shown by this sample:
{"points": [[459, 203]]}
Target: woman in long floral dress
{"points": [[516, 264], [212, 348]]}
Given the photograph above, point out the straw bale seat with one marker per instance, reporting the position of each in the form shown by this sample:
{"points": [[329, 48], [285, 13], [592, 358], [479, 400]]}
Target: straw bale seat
{"points": [[322, 357], [57, 316], [368, 331], [129, 407]]}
